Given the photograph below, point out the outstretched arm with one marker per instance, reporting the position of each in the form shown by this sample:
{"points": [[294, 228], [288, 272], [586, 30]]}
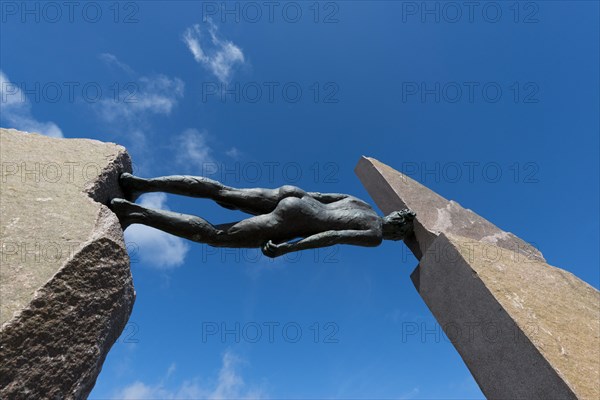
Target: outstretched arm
{"points": [[327, 198], [368, 238]]}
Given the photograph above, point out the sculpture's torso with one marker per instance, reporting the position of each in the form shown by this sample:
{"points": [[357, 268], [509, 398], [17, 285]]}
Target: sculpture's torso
{"points": [[297, 217]]}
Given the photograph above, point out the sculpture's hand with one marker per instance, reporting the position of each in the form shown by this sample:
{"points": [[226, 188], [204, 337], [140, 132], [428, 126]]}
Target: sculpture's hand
{"points": [[273, 250]]}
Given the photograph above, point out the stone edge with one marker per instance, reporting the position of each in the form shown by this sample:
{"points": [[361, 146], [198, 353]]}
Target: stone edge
{"points": [[107, 229], [549, 381]]}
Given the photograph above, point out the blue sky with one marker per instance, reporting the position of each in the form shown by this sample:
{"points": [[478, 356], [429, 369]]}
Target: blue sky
{"points": [[495, 107]]}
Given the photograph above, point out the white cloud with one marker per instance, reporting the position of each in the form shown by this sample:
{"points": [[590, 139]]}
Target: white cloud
{"points": [[112, 61], [229, 385], [193, 151], [130, 111], [149, 95], [219, 56], [151, 246], [410, 394], [233, 153], [16, 111], [171, 370]]}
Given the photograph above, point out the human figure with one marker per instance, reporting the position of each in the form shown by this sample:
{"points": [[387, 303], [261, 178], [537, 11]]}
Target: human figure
{"points": [[280, 216]]}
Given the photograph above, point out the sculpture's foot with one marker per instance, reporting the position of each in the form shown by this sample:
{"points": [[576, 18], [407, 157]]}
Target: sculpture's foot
{"points": [[132, 186], [127, 212]]}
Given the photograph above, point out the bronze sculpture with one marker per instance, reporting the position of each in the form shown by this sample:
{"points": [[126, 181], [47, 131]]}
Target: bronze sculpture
{"points": [[281, 216]]}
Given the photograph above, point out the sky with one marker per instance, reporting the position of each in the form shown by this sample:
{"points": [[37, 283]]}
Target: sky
{"points": [[493, 105]]}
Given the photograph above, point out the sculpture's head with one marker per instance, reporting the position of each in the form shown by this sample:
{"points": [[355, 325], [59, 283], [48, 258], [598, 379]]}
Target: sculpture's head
{"points": [[397, 225]]}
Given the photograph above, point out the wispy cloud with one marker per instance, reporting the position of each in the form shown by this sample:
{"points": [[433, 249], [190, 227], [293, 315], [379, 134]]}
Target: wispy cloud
{"points": [[130, 112], [16, 111], [217, 55], [158, 94], [193, 150], [154, 247], [411, 394], [229, 385], [233, 153], [112, 61]]}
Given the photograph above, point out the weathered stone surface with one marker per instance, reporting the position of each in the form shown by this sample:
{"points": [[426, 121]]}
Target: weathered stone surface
{"points": [[66, 287], [392, 190], [525, 329]]}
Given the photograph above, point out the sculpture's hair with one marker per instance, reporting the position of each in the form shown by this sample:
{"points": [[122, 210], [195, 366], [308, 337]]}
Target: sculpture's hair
{"points": [[398, 224]]}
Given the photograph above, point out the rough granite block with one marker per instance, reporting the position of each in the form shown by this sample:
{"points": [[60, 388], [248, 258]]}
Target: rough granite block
{"points": [[525, 329], [66, 290]]}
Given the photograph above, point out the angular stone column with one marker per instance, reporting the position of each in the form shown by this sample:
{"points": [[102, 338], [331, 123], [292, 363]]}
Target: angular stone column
{"points": [[66, 287], [525, 329]]}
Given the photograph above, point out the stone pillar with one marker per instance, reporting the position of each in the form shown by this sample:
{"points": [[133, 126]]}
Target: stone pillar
{"points": [[66, 290], [525, 329]]}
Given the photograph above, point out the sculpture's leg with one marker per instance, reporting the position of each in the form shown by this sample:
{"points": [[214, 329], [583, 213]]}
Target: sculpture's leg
{"points": [[257, 201], [255, 231], [253, 201], [193, 186], [248, 233], [186, 226]]}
